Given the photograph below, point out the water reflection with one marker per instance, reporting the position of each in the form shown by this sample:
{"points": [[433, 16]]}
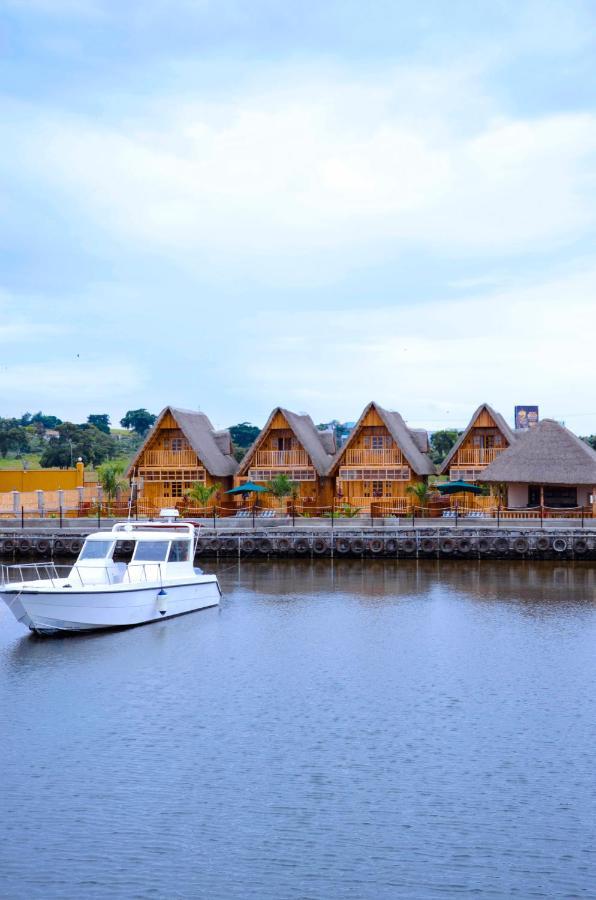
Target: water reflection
{"points": [[358, 729]]}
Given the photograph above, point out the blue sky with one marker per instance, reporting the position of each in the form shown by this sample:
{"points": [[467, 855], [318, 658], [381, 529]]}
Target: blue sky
{"points": [[232, 205]]}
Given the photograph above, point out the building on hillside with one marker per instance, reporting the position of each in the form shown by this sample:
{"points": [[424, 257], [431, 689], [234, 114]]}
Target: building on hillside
{"points": [[181, 449], [380, 460], [290, 444], [546, 466], [485, 438]]}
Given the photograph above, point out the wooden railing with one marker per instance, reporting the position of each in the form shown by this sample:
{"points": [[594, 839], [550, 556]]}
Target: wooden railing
{"points": [[400, 504], [169, 458], [281, 458], [476, 456], [373, 458]]}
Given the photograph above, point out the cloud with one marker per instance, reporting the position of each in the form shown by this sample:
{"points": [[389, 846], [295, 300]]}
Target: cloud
{"points": [[433, 362], [319, 171]]}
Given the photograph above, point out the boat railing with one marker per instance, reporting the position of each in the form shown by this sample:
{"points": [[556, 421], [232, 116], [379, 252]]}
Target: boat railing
{"points": [[79, 576]]}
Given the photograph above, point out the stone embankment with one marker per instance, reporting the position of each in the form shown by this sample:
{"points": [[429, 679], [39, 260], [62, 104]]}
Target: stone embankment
{"points": [[27, 545]]}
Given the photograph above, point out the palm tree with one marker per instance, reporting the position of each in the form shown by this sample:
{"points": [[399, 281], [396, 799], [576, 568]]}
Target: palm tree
{"points": [[281, 486], [422, 492], [202, 493], [111, 477]]}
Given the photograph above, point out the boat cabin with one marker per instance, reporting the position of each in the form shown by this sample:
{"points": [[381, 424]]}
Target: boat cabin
{"points": [[486, 436], [132, 553]]}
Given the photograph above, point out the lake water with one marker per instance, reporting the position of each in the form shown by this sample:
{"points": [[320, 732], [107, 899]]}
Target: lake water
{"points": [[368, 729]]}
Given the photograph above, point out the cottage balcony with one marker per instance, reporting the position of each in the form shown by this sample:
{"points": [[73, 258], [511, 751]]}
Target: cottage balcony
{"points": [[268, 458], [163, 458], [477, 456], [384, 457]]}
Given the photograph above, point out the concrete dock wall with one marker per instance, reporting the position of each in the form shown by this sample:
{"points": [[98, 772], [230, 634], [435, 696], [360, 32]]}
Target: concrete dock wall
{"points": [[27, 545]]}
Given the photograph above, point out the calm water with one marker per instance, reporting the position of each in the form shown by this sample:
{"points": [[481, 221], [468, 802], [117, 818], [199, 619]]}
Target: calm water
{"points": [[369, 730]]}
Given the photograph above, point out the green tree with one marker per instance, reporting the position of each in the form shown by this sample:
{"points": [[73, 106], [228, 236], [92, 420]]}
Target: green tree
{"points": [[202, 493], [243, 436], [591, 440], [111, 477], [422, 492], [138, 420], [13, 437], [92, 445], [281, 486], [101, 421], [441, 443]]}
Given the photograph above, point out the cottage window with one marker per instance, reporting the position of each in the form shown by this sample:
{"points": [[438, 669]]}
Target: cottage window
{"points": [[177, 445]]}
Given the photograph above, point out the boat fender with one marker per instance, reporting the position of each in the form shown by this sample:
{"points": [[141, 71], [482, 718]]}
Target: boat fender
{"points": [[162, 604], [464, 545], [265, 545], [483, 545], [342, 545], [428, 545], [501, 545], [230, 545], [248, 545], [559, 545], [543, 543], [59, 546], [580, 545], [8, 546], [301, 545], [376, 545], [43, 546], [214, 545], [357, 545], [391, 545], [24, 546], [284, 545], [75, 546], [521, 545], [448, 545], [320, 545]]}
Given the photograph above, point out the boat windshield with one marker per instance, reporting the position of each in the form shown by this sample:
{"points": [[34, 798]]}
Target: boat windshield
{"points": [[151, 551], [96, 550]]}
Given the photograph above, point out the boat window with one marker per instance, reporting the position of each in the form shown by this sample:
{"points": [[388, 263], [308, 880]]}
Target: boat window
{"points": [[179, 551], [151, 551], [96, 550], [123, 551]]}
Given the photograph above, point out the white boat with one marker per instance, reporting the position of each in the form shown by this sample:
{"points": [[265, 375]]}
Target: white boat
{"points": [[156, 581]]}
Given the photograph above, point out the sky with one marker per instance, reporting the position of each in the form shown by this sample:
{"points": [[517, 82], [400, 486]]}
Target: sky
{"points": [[234, 205]]}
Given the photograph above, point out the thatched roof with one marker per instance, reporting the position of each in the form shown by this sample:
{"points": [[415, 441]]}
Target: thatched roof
{"points": [[213, 448], [320, 445], [410, 441], [546, 454], [508, 433]]}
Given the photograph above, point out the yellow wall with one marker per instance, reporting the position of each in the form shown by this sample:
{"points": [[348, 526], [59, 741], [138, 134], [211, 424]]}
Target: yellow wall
{"points": [[41, 479]]}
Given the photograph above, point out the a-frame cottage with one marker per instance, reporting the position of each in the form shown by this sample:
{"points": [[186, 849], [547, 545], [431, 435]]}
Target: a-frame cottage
{"points": [[485, 437], [291, 445], [380, 459], [182, 448]]}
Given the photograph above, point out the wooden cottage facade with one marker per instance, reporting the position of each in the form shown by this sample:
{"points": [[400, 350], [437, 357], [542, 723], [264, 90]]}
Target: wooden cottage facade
{"points": [[181, 449], [485, 438], [547, 466], [380, 460], [291, 445]]}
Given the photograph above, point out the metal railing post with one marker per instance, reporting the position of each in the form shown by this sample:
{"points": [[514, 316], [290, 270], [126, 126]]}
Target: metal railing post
{"points": [[498, 515], [22, 516], [541, 516], [99, 513]]}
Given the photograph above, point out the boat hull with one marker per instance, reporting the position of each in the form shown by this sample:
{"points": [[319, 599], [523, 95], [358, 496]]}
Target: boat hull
{"points": [[51, 612]]}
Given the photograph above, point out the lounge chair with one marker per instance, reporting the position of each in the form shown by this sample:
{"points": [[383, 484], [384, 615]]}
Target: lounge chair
{"points": [[242, 514], [267, 514]]}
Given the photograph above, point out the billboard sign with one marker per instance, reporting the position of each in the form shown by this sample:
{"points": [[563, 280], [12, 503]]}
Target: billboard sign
{"points": [[526, 417]]}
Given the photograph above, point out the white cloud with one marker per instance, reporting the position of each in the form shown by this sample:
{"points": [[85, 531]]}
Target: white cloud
{"points": [[322, 172], [434, 362]]}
